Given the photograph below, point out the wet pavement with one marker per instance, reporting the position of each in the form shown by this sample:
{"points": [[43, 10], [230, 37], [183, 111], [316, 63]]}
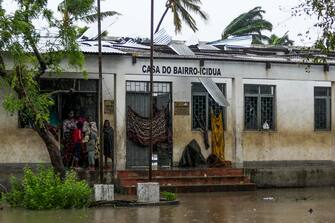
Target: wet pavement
{"points": [[263, 206]]}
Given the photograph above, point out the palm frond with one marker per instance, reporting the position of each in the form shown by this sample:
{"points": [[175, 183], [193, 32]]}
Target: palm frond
{"points": [[176, 19], [283, 40], [186, 16], [248, 19], [94, 17], [181, 10], [255, 27], [194, 7], [244, 17]]}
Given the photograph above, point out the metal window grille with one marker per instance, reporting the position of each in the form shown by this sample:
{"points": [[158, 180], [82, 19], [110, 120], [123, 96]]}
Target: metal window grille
{"points": [[63, 84], [144, 86], [259, 107], [199, 112], [322, 108], [202, 105]]}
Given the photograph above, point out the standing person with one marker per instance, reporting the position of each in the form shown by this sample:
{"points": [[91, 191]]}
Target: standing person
{"points": [[90, 125], [108, 141], [90, 145], [77, 139], [69, 125]]}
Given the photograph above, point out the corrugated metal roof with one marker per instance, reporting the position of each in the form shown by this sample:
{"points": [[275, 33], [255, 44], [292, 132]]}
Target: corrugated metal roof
{"points": [[181, 49], [203, 46], [94, 49], [241, 41], [214, 91], [162, 37], [131, 44]]}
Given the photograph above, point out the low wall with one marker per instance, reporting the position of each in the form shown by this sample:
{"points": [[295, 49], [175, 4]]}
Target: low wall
{"points": [[266, 174], [7, 170], [276, 174]]}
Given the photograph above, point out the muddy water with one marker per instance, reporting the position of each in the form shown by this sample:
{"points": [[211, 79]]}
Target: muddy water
{"points": [[262, 206]]}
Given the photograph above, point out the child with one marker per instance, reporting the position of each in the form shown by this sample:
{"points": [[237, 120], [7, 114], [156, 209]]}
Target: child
{"points": [[90, 145], [77, 140]]}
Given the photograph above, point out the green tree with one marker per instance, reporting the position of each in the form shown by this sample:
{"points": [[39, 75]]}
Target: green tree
{"points": [[22, 62], [324, 11], [249, 23], [280, 40], [181, 10]]}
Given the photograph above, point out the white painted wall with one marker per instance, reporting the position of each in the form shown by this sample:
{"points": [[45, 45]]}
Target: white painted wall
{"points": [[294, 138], [18, 145], [294, 98]]}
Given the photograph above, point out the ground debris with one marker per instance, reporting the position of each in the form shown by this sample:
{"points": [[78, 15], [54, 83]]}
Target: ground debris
{"points": [[302, 199], [310, 210], [130, 203]]}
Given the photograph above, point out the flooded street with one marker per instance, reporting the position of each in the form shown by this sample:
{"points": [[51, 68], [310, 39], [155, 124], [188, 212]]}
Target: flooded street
{"points": [[268, 206]]}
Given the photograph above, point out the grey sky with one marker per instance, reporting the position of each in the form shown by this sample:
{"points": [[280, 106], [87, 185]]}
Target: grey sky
{"points": [[135, 18]]}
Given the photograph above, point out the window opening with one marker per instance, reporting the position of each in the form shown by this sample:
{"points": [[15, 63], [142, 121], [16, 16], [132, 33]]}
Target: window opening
{"points": [[259, 104], [203, 104], [322, 108]]}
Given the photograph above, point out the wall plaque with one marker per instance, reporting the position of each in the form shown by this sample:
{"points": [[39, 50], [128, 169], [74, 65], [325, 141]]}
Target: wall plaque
{"points": [[108, 106], [182, 108]]}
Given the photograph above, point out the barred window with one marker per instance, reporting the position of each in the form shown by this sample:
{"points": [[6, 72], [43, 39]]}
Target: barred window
{"points": [[259, 106], [322, 108], [203, 104]]}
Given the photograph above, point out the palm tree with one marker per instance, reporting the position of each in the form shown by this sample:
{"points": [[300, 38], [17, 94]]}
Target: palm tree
{"points": [[71, 14], [282, 41], [249, 23], [181, 10]]}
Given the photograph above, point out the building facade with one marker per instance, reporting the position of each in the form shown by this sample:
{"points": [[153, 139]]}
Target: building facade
{"points": [[280, 108]]}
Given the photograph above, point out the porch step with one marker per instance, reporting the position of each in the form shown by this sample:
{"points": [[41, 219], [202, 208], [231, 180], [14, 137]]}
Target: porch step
{"points": [[188, 180], [183, 172], [197, 188]]}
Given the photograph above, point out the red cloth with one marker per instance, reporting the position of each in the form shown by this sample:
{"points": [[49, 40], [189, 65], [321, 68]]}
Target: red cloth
{"points": [[76, 136]]}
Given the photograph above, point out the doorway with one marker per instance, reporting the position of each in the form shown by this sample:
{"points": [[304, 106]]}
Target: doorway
{"points": [[138, 99]]}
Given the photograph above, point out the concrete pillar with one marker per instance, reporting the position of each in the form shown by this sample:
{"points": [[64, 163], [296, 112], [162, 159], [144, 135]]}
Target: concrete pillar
{"points": [[120, 119], [333, 119], [148, 192], [237, 120], [103, 192]]}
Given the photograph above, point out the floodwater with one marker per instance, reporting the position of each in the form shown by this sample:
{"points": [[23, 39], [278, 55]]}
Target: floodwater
{"points": [[263, 206]]}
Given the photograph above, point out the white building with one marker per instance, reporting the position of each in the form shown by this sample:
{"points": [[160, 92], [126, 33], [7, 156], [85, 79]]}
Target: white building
{"points": [[280, 106]]}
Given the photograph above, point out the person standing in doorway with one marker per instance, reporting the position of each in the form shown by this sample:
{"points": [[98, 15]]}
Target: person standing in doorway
{"points": [[77, 141], [90, 145], [108, 142], [69, 125]]}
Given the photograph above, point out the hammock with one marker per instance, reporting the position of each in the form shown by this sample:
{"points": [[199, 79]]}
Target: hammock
{"points": [[138, 128]]}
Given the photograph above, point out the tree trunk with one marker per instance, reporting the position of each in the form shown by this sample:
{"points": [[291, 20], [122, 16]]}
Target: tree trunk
{"points": [[53, 148], [161, 20]]}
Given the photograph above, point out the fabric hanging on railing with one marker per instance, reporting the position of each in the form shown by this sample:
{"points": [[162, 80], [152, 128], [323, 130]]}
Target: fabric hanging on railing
{"points": [[218, 145], [138, 128]]}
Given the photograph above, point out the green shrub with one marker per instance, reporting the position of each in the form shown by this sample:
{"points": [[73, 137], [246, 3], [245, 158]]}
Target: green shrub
{"points": [[45, 190], [169, 195]]}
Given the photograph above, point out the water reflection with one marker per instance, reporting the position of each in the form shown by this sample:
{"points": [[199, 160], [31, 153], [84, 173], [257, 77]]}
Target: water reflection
{"points": [[290, 205]]}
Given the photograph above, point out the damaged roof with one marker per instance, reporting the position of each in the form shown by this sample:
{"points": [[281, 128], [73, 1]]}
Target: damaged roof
{"points": [[202, 50]]}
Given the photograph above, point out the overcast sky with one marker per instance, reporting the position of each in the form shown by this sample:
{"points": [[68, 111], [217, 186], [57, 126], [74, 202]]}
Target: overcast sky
{"points": [[135, 19]]}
